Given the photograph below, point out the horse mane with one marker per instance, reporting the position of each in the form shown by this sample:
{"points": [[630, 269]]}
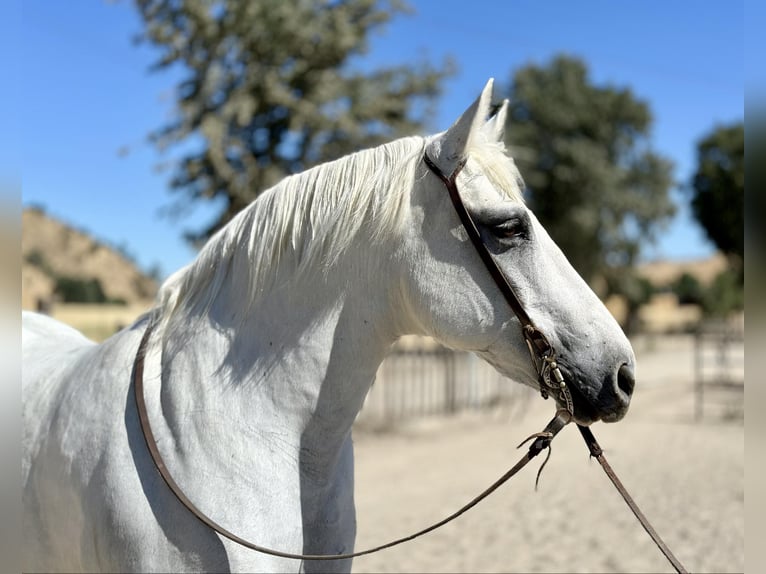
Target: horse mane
{"points": [[315, 216]]}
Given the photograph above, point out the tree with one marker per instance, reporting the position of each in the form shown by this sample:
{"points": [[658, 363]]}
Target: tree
{"points": [[726, 294], [271, 88], [718, 188], [688, 290], [592, 178], [636, 291], [80, 290]]}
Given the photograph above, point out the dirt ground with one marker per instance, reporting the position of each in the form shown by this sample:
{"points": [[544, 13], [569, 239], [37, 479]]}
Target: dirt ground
{"points": [[687, 476]]}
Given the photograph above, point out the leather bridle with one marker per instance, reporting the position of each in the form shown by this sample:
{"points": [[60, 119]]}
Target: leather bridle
{"points": [[551, 381], [543, 355]]}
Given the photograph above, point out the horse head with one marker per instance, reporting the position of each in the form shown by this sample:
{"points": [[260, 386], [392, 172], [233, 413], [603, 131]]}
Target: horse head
{"points": [[451, 296]]}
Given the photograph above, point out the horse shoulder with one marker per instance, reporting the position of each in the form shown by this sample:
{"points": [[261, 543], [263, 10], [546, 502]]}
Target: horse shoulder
{"points": [[75, 451]]}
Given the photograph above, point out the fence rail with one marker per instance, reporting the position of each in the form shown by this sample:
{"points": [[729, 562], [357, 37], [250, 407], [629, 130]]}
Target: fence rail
{"points": [[422, 381], [719, 365]]}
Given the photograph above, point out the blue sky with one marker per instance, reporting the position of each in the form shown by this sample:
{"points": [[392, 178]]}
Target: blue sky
{"points": [[87, 93]]}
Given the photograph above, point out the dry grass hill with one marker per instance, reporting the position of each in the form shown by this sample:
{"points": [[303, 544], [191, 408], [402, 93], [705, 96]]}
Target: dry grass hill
{"points": [[662, 272], [52, 249]]}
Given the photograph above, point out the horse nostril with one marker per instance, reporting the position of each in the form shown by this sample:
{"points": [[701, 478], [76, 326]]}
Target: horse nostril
{"points": [[626, 379]]}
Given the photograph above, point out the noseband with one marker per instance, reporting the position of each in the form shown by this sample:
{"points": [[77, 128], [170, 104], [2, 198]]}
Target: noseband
{"points": [[551, 382]]}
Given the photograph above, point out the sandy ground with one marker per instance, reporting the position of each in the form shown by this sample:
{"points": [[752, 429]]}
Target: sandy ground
{"points": [[687, 476]]}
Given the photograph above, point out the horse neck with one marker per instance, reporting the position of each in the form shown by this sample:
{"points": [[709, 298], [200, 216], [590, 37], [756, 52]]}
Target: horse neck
{"points": [[292, 373]]}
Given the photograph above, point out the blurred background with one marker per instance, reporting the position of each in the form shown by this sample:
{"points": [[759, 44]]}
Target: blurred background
{"points": [[149, 124]]}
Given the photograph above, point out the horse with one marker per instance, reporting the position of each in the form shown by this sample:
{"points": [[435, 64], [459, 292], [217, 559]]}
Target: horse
{"points": [[265, 346]]}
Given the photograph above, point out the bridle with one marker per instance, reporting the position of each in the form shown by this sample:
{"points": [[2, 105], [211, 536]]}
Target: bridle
{"points": [[550, 379], [543, 355]]}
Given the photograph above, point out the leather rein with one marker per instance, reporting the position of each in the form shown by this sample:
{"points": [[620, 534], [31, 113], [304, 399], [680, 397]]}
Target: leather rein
{"points": [[551, 383]]}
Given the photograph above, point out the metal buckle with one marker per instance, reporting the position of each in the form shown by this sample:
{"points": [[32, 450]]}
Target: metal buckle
{"points": [[549, 375]]}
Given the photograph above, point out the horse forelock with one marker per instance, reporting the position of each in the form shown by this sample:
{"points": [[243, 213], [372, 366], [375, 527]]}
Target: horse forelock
{"points": [[315, 217], [494, 162]]}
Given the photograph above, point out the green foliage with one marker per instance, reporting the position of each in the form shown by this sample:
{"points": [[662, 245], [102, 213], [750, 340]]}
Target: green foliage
{"points": [[36, 258], [37, 207], [80, 290], [725, 295], [722, 297], [77, 290], [593, 180], [636, 290], [755, 201], [273, 87], [688, 290], [718, 188], [755, 207]]}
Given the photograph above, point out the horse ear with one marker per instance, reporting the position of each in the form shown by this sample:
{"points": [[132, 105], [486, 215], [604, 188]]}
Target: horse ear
{"points": [[494, 129], [448, 149]]}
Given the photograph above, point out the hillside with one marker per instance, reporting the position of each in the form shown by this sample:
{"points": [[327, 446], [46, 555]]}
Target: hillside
{"points": [[52, 249], [662, 272]]}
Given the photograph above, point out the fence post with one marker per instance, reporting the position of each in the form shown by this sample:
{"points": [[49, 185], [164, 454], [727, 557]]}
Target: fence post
{"points": [[699, 367], [451, 383]]}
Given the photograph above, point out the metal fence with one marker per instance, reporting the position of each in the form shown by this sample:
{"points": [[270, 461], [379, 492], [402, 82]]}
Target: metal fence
{"points": [[426, 380], [719, 365]]}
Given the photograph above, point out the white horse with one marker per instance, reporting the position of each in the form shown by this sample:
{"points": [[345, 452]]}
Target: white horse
{"points": [[266, 345]]}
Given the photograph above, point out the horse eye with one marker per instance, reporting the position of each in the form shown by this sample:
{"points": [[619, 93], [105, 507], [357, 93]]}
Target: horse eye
{"points": [[508, 229]]}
